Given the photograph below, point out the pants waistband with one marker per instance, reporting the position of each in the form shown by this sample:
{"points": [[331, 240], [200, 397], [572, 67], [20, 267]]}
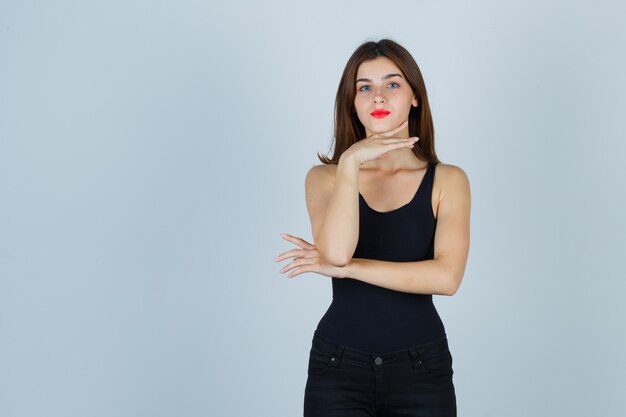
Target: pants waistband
{"points": [[367, 357]]}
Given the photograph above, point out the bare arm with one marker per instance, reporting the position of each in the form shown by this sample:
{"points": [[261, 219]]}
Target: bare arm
{"points": [[443, 274], [421, 277], [333, 201], [333, 206]]}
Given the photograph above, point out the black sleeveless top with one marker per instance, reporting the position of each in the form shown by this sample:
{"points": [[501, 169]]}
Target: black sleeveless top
{"points": [[373, 318]]}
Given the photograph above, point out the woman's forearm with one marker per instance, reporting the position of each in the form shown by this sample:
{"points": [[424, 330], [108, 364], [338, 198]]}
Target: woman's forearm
{"points": [[420, 277], [339, 232]]}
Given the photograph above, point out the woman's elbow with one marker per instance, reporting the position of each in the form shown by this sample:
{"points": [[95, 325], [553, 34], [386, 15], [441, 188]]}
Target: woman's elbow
{"points": [[335, 258], [454, 284]]}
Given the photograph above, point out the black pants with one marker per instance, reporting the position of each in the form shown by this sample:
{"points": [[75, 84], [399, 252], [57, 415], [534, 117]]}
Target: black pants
{"points": [[345, 382]]}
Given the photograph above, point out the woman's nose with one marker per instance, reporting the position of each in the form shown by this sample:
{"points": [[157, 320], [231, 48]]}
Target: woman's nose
{"points": [[378, 97]]}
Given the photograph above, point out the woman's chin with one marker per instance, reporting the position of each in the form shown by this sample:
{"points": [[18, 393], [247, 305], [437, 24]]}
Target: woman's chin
{"points": [[380, 126]]}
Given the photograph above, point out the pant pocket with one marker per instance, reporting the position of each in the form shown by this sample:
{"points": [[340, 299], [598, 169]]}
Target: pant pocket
{"points": [[319, 362], [435, 360]]}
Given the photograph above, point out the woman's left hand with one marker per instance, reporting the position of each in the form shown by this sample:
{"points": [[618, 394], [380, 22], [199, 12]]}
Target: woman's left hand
{"points": [[307, 259]]}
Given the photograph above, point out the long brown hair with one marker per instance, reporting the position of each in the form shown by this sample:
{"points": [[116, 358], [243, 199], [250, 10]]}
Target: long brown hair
{"points": [[348, 129]]}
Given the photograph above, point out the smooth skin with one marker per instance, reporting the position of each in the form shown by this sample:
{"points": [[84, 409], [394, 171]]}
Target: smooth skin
{"points": [[383, 169]]}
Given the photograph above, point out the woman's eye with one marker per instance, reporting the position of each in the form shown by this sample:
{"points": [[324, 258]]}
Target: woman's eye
{"points": [[367, 86]]}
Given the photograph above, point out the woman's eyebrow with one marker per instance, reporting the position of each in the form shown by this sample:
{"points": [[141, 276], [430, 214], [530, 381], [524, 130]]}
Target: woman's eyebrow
{"points": [[383, 78]]}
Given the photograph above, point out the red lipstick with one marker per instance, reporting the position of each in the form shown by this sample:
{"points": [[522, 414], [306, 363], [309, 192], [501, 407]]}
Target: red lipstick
{"points": [[380, 113]]}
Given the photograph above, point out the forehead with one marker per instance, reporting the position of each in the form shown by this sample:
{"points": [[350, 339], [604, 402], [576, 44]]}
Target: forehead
{"points": [[376, 68]]}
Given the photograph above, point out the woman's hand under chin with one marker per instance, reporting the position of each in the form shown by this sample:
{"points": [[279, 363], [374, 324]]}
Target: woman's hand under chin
{"points": [[307, 259]]}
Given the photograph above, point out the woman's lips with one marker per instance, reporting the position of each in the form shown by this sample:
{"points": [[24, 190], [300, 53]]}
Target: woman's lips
{"points": [[379, 114]]}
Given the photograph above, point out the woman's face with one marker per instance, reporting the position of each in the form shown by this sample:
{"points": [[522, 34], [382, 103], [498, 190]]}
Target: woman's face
{"points": [[381, 85]]}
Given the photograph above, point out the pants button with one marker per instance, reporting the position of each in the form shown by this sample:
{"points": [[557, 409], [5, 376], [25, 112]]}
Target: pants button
{"points": [[378, 360]]}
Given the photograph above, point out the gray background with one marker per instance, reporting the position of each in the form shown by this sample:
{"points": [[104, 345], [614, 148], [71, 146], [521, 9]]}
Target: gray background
{"points": [[152, 152]]}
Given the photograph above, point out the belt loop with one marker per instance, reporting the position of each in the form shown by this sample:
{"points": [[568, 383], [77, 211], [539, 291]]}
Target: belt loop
{"points": [[340, 349], [414, 358]]}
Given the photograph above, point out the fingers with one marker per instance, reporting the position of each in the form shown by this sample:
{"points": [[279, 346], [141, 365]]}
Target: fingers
{"points": [[298, 271], [400, 140], [403, 143], [298, 241], [288, 267], [304, 252], [300, 264], [294, 253]]}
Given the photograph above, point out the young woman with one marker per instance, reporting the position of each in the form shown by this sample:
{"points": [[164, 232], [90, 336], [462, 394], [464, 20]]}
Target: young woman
{"points": [[391, 227]]}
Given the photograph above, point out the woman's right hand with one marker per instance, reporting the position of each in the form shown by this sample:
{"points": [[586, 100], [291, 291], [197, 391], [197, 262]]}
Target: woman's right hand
{"points": [[377, 145]]}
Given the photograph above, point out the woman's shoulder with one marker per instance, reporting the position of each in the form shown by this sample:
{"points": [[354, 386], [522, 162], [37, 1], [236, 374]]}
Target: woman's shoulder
{"points": [[449, 177], [327, 171], [322, 175], [449, 170]]}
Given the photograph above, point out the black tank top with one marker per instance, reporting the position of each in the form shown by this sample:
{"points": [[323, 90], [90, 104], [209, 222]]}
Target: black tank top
{"points": [[373, 318]]}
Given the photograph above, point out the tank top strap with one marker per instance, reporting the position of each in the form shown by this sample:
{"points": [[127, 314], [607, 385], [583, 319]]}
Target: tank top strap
{"points": [[429, 178]]}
